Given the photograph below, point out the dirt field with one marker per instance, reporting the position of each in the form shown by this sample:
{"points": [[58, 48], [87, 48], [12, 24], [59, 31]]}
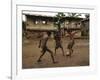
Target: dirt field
{"points": [[31, 53]]}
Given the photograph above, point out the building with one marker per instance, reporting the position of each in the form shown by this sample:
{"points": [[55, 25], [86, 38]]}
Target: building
{"points": [[48, 23], [38, 22], [85, 27]]}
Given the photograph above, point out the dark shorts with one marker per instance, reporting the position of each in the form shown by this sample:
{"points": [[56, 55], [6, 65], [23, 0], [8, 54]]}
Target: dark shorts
{"points": [[58, 45]]}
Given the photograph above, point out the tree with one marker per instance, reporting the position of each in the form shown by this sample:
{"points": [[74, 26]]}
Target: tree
{"points": [[87, 16], [59, 16], [75, 15]]}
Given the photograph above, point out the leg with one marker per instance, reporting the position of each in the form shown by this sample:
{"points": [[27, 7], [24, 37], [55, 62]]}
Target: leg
{"points": [[69, 49], [71, 52], [51, 53], [43, 52], [55, 50], [68, 52], [62, 50]]}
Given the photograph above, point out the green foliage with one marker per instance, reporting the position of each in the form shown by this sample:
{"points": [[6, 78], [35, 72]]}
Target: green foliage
{"points": [[59, 21], [60, 15], [87, 16], [75, 15]]}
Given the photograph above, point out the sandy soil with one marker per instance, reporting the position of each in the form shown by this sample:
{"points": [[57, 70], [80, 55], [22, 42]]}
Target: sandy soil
{"points": [[31, 53]]}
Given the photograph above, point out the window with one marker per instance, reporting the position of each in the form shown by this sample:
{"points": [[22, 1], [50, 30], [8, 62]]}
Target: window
{"points": [[44, 22], [36, 22]]}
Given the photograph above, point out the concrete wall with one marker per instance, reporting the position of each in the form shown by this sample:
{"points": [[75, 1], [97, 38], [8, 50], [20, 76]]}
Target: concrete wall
{"points": [[39, 24], [72, 24]]}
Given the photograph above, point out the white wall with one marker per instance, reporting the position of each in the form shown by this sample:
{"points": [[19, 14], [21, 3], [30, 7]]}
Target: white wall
{"points": [[5, 33]]}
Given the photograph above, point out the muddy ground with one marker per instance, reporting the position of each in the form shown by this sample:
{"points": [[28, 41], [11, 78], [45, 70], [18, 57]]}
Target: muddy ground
{"points": [[31, 53]]}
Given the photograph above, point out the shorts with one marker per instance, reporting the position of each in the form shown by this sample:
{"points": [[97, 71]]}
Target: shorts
{"points": [[58, 45]]}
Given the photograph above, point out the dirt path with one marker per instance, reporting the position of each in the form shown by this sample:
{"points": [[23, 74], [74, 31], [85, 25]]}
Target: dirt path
{"points": [[31, 52]]}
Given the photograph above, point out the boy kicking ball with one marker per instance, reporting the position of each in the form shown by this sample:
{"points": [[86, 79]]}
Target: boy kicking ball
{"points": [[71, 43]]}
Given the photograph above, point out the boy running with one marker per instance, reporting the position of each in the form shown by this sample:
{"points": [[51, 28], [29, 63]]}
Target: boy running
{"points": [[43, 45]]}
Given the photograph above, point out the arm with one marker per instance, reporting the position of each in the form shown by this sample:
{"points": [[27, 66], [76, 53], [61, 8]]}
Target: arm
{"points": [[75, 32]]}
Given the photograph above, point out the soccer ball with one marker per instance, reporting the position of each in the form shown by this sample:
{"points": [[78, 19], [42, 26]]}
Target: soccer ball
{"points": [[68, 53]]}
